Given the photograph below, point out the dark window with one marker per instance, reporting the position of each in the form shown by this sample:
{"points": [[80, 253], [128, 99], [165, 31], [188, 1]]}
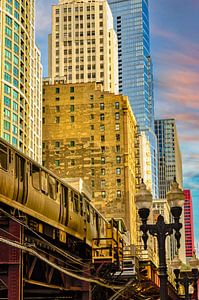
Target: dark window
{"points": [[72, 89], [75, 200], [52, 185], [3, 157], [36, 177], [57, 90]]}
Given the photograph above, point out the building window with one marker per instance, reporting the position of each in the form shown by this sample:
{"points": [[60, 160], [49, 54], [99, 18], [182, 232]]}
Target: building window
{"points": [[117, 105], [92, 137], [102, 106], [57, 162], [118, 159], [72, 143], [102, 117], [92, 161], [103, 194], [72, 162], [72, 89], [103, 172], [72, 108], [102, 138], [7, 125], [72, 119], [103, 148], [43, 120], [117, 148], [57, 144], [57, 90], [118, 182], [103, 183], [118, 194], [117, 126], [103, 160], [117, 116], [102, 127], [57, 119], [118, 171], [57, 108], [92, 116], [117, 137], [92, 172], [92, 127], [7, 101]]}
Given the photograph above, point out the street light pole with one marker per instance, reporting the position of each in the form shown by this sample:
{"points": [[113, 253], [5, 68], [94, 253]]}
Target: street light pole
{"points": [[184, 278], [160, 230]]}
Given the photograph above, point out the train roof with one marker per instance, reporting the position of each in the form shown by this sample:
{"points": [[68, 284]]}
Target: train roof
{"points": [[64, 181]]}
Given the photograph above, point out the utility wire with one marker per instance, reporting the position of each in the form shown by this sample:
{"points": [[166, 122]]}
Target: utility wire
{"points": [[34, 253], [72, 258]]}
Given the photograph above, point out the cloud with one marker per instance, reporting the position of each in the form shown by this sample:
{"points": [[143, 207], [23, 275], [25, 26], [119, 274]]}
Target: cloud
{"points": [[43, 17]]}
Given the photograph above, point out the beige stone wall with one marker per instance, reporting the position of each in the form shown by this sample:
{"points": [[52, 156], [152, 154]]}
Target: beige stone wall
{"points": [[83, 44], [90, 134]]}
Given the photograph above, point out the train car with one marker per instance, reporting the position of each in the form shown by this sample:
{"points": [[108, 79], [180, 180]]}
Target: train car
{"points": [[56, 208]]}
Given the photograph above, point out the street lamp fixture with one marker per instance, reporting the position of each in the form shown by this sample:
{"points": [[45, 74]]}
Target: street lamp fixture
{"points": [[184, 278], [160, 230]]}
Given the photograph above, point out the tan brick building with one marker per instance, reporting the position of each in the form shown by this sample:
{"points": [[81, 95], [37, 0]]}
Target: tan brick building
{"points": [[90, 133]]}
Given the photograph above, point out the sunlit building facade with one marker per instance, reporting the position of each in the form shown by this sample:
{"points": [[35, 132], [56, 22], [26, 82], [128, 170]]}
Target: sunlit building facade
{"points": [[91, 134], [20, 78], [131, 22], [83, 44]]}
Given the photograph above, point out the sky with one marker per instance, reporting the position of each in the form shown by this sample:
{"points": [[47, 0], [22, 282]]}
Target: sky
{"points": [[174, 27]]}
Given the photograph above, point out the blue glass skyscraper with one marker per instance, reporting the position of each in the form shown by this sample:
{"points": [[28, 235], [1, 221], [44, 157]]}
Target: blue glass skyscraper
{"points": [[131, 22]]}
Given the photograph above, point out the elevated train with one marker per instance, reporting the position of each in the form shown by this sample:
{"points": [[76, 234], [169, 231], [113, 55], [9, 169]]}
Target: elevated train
{"points": [[57, 210]]}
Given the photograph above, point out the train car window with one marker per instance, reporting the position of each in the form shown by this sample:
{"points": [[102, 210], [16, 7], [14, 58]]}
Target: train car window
{"points": [[88, 213], [44, 182], [22, 168], [10, 156], [3, 157], [35, 177], [19, 167], [65, 195], [52, 187], [81, 206], [75, 200]]}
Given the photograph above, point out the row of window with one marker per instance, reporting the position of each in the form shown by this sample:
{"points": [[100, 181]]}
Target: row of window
{"points": [[73, 144], [103, 171], [118, 194], [103, 183], [7, 137], [78, 8], [78, 17]]}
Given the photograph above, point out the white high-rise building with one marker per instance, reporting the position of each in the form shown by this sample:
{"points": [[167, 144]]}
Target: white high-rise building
{"points": [[20, 78], [83, 44]]}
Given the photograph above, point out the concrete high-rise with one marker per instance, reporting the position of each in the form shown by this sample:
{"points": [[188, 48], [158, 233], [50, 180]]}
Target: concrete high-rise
{"points": [[189, 225], [131, 22], [169, 155], [83, 44], [92, 134], [20, 78], [169, 167]]}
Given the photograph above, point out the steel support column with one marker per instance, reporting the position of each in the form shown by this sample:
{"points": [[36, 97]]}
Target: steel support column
{"points": [[11, 260]]}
